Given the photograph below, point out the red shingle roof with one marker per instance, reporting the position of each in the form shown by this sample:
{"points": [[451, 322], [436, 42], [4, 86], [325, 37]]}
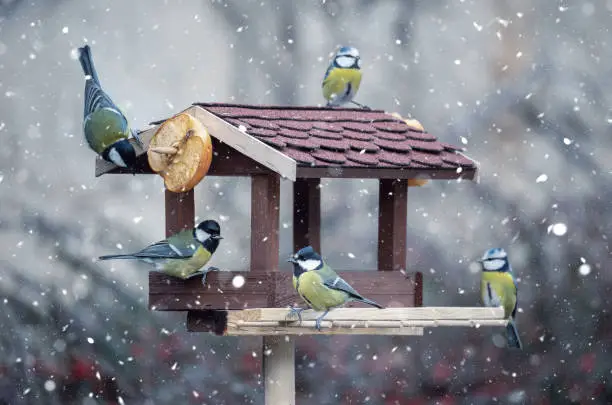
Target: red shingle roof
{"points": [[324, 137]]}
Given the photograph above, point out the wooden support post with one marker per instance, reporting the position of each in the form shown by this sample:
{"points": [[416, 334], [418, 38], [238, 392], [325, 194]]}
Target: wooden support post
{"points": [[180, 211], [265, 192], [307, 214], [278, 353], [392, 217], [279, 370]]}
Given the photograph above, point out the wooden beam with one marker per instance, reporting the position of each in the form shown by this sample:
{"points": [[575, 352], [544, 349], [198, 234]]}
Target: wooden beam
{"points": [[326, 329], [437, 315], [265, 192], [246, 144], [226, 162], [180, 211], [307, 214], [168, 293], [353, 321], [341, 172], [279, 370], [259, 289], [392, 222], [207, 321], [418, 289]]}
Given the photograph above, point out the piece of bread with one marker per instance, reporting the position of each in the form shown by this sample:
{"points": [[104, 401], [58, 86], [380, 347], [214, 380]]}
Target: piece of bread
{"points": [[180, 152], [416, 126]]}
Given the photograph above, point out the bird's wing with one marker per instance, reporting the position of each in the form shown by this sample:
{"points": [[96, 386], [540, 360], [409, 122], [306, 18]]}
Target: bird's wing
{"points": [[339, 284], [179, 246], [515, 295], [96, 98], [329, 69]]}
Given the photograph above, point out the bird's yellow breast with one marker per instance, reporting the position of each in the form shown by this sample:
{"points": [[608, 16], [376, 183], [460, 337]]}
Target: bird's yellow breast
{"points": [[311, 288], [184, 268], [502, 288], [336, 82]]}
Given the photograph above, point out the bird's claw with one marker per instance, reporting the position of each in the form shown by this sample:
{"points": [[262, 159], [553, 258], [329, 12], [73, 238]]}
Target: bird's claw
{"points": [[296, 311], [204, 273], [138, 139], [319, 319], [362, 106]]}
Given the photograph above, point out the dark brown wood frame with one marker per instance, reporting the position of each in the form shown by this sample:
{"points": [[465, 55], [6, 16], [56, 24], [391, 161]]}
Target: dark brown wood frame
{"points": [[265, 285]]}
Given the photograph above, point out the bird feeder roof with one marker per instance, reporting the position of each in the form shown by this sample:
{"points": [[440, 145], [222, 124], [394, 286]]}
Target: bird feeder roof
{"points": [[332, 138], [320, 142]]}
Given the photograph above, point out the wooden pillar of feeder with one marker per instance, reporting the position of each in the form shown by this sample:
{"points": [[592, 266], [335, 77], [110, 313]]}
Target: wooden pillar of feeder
{"points": [[265, 194], [392, 222], [180, 215], [307, 214], [277, 352], [279, 370], [180, 211]]}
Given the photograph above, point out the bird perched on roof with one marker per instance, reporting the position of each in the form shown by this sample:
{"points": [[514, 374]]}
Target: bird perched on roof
{"points": [[183, 254], [320, 286], [498, 288], [343, 77], [105, 127]]}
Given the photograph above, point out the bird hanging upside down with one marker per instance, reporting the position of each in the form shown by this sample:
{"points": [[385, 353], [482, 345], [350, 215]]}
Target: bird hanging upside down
{"points": [[105, 127]]}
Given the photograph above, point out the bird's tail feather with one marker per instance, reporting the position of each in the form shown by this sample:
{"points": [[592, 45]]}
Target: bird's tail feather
{"points": [[370, 302], [112, 257], [87, 63], [513, 337]]}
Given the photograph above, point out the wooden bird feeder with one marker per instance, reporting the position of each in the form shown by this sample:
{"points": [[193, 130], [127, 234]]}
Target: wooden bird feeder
{"points": [[304, 145]]}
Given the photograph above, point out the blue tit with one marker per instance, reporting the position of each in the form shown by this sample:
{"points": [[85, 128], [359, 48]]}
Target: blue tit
{"points": [[319, 285], [183, 254], [343, 77], [105, 127], [498, 288]]}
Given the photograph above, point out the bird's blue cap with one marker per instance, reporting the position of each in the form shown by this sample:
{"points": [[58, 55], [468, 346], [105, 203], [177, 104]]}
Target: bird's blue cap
{"points": [[494, 253], [348, 50], [306, 251]]}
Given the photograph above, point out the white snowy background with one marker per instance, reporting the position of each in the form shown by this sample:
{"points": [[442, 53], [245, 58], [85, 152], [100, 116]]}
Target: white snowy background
{"points": [[523, 85]]}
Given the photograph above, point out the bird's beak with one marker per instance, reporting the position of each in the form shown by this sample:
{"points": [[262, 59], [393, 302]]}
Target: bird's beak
{"points": [[217, 237], [291, 259], [480, 260]]}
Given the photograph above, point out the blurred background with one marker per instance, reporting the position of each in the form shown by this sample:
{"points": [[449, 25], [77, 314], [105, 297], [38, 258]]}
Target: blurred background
{"points": [[521, 84]]}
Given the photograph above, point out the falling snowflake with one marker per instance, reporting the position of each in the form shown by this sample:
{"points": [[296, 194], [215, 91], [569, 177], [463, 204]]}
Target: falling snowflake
{"points": [[541, 178], [558, 229], [584, 269], [238, 281]]}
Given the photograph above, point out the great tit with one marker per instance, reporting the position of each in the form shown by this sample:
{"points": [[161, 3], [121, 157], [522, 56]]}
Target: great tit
{"points": [[320, 286], [498, 288], [182, 255], [105, 127], [343, 77]]}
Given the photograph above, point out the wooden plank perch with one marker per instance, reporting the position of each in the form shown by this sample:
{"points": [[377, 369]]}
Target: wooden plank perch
{"points": [[360, 321], [268, 289]]}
